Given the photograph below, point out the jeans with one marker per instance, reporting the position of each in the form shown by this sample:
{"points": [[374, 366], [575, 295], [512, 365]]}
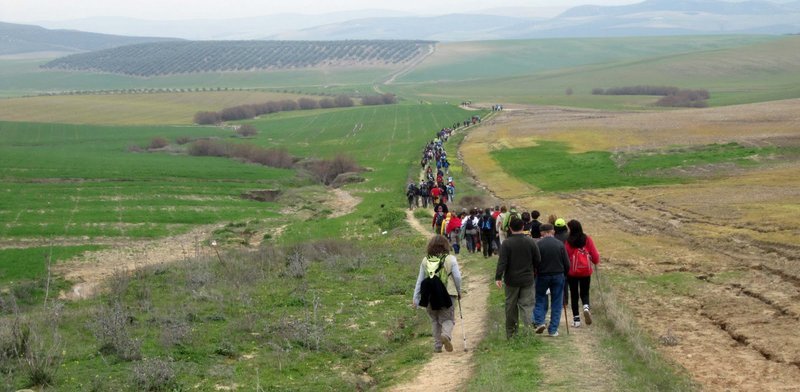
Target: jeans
{"points": [[556, 285]]}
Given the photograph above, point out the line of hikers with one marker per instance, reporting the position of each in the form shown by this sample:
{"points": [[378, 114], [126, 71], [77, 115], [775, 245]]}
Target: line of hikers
{"points": [[540, 266]]}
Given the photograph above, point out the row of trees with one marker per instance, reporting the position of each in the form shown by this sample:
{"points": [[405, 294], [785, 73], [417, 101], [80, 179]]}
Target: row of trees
{"points": [[672, 96], [164, 58], [243, 112]]}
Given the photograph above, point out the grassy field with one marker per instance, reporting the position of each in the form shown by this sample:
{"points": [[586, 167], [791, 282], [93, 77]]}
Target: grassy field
{"points": [[24, 77], [323, 315], [558, 170], [734, 69], [129, 109]]}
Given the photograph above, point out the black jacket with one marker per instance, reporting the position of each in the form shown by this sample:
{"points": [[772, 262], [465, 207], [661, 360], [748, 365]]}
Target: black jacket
{"points": [[518, 256], [554, 258]]}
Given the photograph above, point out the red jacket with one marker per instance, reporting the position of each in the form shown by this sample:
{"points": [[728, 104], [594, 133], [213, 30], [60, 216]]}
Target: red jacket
{"points": [[589, 248], [455, 223], [436, 192]]}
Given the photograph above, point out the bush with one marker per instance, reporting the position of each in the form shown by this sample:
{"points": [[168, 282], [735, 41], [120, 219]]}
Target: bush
{"points": [[157, 142], [343, 101], [307, 103], [207, 118], [154, 375], [326, 103], [246, 130], [181, 140], [111, 329], [325, 171]]}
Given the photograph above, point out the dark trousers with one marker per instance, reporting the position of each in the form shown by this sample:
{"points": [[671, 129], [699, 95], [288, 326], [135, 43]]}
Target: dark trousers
{"points": [[487, 240], [579, 287]]}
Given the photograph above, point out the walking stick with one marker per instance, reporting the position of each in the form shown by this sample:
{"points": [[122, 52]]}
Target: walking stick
{"points": [[463, 331], [566, 320]]}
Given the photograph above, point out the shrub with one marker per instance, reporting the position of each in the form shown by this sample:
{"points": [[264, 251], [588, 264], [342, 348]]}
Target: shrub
{"points": [[343, 101], [181, 140], [111, 329], [246, 130], [325, 171], [326, 103], [307, 103], [157, 142], [207, 118], [154, 375], [42, 360]]}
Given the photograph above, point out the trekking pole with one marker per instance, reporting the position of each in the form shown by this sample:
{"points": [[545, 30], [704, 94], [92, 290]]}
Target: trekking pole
{"points": [[599, 285], [463, 331], [566, 320]]}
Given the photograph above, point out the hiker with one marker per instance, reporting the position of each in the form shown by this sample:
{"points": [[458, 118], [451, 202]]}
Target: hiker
{"points": [[551, 271], [502, 224], [470, 230], [486, 226], [451, 192], [526, 222], [453, 231], [518, 256], [496, 239], [442, 320], [535, 225], [581, 251], [422, 193], [411, 194], [561, 230], [435, 193], [443, 228], [438, 218]]}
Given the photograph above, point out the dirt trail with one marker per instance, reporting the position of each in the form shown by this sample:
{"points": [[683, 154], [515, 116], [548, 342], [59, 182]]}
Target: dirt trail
{"points": [[720, 254], [93, 268], [458, 365], [343, 203]]}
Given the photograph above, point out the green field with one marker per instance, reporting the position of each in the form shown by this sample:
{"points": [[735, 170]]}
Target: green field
{"points": [[24, 77], [556, 169], [735, 69]]}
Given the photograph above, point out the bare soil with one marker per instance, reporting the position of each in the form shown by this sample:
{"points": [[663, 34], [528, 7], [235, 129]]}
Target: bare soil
{"points": [[713, 262]]}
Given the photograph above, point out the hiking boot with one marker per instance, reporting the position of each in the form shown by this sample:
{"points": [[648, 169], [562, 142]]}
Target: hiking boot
{"points": [[576, 324], [437, 350], [587, 315], [540, 328], [447, 344], [553, 335]]}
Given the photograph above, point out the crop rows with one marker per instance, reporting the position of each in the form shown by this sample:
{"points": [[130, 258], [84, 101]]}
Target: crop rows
{"points": [[210, 56]]}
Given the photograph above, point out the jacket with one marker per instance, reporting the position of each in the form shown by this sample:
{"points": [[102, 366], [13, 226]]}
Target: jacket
{"points": [[554, 258], [453, 277], [589, 248], [518, 256]]}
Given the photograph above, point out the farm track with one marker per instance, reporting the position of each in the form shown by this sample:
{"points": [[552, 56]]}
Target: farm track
{"points": [[735, 307]]}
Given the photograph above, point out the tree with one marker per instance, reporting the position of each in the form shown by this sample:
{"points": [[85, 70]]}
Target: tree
{"points": [[343, 101]]}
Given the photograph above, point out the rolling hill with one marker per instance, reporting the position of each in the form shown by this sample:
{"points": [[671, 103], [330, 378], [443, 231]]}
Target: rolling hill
{"points": [[18, 38], [165, 58]]}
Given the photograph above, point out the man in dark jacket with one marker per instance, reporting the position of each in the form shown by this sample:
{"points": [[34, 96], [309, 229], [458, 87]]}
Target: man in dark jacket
{"points": [[518, 256], [551, 271]]}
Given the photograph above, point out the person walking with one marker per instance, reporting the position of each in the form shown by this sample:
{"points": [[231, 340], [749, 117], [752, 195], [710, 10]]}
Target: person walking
{"points": [[518, 256], [551, 271], [486, 226], [453, 231], [442, 320], [561, 230], [501, 224], [581, 251]]}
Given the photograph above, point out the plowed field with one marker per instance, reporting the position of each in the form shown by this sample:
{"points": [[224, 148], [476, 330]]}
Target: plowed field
{"points": [[712, 262]]}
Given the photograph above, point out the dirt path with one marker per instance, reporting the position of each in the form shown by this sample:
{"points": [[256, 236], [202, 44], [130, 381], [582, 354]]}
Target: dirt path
{"points": [[93, 268], [458, 365], [343, 203]]}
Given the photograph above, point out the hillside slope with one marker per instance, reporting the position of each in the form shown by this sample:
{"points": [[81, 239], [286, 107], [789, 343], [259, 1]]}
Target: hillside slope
{"points": [[18, 38]]}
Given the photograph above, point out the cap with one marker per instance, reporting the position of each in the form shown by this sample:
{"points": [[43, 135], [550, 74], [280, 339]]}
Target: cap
{"points": [[560, 222]]}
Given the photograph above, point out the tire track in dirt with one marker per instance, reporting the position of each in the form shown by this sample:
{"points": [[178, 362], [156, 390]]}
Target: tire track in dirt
{"points": [[458, 366]]}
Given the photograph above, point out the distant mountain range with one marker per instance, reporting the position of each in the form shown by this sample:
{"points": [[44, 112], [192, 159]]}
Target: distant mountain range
{"points": [[648, 18], [16, 38]]}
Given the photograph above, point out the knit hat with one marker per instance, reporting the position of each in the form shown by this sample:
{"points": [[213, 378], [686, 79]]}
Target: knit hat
{"points": [[560, 223]]}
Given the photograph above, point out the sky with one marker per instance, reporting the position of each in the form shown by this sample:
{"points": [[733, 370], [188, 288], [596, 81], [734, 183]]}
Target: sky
{"points": [[47, 10]]}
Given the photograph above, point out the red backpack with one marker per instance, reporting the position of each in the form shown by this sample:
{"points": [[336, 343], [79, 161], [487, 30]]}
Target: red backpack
{"points": [[580, 265]]}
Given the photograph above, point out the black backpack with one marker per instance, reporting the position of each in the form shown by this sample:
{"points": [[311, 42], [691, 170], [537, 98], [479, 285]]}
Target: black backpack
{"points": [[433, 292], [469, 225]]}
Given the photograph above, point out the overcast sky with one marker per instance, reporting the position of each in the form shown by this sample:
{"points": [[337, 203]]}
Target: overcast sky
{"points": [[41, 10]]}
